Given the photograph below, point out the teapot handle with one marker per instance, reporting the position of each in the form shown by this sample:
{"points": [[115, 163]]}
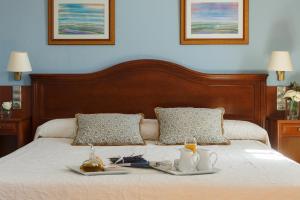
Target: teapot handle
{"points": [[197, 158], [215, 159]]}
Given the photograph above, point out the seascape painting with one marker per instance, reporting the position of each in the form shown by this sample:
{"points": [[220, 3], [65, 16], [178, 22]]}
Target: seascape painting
{"points": [[215, 18], [81, 22], [81, 19], [214, 22]]}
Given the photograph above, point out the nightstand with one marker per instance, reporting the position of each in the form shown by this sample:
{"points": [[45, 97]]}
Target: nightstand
{"points": [[288, 133], [18, 127], [272, 129]]}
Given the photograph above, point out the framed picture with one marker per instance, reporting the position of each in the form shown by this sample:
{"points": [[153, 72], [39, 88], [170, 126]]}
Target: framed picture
{"points": [[214, 22], [81, 22]]}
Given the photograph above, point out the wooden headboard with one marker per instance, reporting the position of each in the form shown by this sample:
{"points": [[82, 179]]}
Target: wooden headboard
{"points": [[140, 86]]}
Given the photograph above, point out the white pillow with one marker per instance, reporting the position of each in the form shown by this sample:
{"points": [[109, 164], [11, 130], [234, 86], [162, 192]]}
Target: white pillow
{"points": [[149, 129], [57, 128], [66, 128], [233, 130], [243, 130]]}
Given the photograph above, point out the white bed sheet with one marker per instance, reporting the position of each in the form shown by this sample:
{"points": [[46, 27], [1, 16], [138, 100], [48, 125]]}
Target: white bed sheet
{"points": [[249, 170]]}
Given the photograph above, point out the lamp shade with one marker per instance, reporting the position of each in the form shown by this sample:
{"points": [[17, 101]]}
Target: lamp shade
{"points": [[19, 62], [281, 61]]}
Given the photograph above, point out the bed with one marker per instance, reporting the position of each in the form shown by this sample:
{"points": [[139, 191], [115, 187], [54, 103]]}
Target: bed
{"points": [[250, 169]]}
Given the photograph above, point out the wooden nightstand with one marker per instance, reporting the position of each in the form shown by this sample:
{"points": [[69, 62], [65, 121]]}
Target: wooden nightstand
{"points": [[288, 133], [18, 127], [272, 129]]}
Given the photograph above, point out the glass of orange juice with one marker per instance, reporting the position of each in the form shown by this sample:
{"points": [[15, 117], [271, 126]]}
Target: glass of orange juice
{"points": [[190, 143]]}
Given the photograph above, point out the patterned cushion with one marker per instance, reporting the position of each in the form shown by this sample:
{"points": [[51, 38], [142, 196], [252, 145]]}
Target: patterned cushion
{"points": [[108, 129], [178, 123]]}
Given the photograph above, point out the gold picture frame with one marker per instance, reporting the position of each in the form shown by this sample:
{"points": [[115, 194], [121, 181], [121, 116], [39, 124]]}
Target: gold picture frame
{"points": [[199, 26], [81, 22]]}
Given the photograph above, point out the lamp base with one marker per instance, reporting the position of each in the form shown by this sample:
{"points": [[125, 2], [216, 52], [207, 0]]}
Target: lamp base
{"points": [[17, 97], [280, 75], [17, 76]]}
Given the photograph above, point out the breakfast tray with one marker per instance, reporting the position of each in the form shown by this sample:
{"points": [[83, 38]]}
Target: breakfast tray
{"points": [[175, 172], [107, 171]]}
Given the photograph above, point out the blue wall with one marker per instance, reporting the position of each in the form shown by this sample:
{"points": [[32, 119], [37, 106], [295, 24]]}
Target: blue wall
{"points": [[149, 29]]}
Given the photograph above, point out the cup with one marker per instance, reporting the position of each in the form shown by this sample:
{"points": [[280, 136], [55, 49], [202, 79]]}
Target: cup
{"points": [[207, 161]]}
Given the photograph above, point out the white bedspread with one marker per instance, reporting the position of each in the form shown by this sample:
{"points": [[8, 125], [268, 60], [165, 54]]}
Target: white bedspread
{"points": [[250, 170]]}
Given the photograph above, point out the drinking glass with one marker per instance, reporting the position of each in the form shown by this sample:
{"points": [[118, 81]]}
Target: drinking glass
{"points": [[190, 143]]}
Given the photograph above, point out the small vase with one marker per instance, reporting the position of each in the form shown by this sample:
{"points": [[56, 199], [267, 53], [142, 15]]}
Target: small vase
{"points": [[292, 110]]}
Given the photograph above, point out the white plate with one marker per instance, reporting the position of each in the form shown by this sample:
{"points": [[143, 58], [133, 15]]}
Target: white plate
{"points": [[173, 171], [107, 171]]}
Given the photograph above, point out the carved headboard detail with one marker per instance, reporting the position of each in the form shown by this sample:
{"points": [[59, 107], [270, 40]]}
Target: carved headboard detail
{"points": [[140, 86]]}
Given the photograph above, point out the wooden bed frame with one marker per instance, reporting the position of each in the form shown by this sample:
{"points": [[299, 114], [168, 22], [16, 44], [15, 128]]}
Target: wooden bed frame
{"points": [[140, 86]]}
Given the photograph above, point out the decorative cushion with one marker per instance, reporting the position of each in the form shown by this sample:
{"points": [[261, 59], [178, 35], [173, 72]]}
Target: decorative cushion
{"points": [[150, 129], [108, 129], [202, 123]]}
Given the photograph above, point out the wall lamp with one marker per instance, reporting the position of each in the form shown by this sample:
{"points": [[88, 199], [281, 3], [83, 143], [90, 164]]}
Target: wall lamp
{"points": [[280, 62], [18, 63]]}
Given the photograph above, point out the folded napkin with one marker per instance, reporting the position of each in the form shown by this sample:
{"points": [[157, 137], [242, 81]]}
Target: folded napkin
{"points": [[131, 161]]}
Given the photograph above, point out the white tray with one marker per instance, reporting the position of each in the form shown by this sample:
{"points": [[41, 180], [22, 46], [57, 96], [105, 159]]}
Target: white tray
{"points": [[107, 171], [173, 171]]}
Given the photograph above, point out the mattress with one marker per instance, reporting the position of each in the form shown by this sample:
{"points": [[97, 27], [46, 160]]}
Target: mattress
{"points": [[249, 170]]}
